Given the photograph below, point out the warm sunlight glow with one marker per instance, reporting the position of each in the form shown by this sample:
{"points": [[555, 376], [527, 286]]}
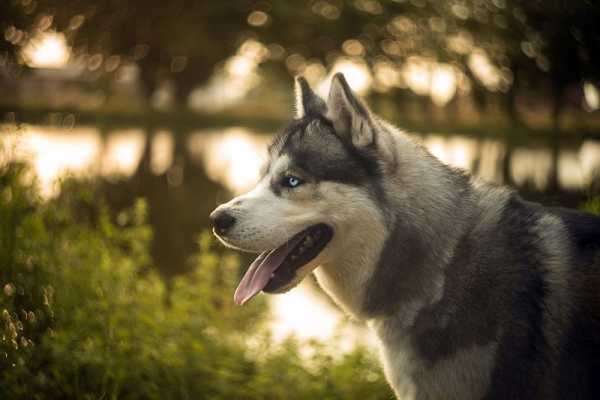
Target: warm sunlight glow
{"points": [[490, 153], [233, 157], [304, 314], [484, 70], [387, 75], [300, 313], [233, 81], [122, 152], [443, 84], [589, 156], [591, 96], [54, 152], [570, 174], [47, 50], [457, 151], [426, 77], [356, 72], [417, 75], [531, 165], [162, 152]]}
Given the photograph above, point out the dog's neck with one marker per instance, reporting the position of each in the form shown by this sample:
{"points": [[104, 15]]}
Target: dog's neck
{"points": [[345, 279], [395, 261]]}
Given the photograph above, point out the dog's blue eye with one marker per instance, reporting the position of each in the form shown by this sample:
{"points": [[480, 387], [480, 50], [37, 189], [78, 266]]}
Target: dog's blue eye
{"points": [[291, 181]]}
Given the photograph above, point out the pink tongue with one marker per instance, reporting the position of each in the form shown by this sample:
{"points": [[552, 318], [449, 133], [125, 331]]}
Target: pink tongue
{"points": [[258, 274]]}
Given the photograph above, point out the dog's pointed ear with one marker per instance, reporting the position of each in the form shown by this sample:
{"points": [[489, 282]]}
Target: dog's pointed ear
{"points": [[353, 120], [350, 117], [307, 102]]}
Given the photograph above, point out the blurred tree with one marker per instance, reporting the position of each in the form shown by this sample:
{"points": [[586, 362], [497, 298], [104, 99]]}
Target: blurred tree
{"points": [[500, 45], [16, 24], [178, 40]]}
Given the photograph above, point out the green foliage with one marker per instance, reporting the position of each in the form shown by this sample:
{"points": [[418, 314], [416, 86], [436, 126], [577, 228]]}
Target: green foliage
{"points": [[300, 371], [26, 299], [592, 205], [81, 318]]}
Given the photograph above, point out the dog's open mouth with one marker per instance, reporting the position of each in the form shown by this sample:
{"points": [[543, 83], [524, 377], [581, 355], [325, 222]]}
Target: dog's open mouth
{"points": [[276, 268]]}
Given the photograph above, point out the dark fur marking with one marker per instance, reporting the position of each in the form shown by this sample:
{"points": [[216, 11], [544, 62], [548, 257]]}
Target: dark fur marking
{"points": [[488, 293], [401, 273], [408, 259], [330, 157], [461, 318], [275, 187], [526, 366]]}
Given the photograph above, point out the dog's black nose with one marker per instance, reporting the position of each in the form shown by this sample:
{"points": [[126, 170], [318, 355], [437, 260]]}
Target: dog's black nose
{"points": [[221, 221]]}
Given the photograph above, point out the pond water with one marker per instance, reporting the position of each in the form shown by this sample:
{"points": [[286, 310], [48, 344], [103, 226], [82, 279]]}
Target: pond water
{"points": [[232, 157]]}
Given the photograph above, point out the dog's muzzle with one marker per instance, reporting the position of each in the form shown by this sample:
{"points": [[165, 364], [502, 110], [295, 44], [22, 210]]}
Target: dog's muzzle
{"points": [[221, 221]]}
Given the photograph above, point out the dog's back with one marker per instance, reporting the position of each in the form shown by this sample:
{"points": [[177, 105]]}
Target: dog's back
{"points": [[578, 363], [523, 285]]}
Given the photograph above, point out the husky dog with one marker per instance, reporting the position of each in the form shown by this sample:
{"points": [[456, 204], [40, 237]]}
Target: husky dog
{"points": [[473, 292]]}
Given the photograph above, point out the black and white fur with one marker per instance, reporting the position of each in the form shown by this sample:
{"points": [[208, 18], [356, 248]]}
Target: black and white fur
{"points": [[473, 292]]}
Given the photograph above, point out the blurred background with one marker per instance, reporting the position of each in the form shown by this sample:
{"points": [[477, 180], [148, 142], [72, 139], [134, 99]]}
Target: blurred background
{"points": [[124, 123]]}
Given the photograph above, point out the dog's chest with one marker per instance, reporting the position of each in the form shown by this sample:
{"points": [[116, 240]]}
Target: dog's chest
{"points": [[463, 375]]}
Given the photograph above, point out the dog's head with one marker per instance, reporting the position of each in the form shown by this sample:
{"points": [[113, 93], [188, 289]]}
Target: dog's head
{"points": [[321, 180]]}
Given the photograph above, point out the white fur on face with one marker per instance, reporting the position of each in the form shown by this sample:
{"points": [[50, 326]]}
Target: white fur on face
{"points": [[265, 221], [355, 247]]}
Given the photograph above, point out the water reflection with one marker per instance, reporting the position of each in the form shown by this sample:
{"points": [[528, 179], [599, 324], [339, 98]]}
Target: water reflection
{"points": [[122, 152], [52, 152], [233, 156], [531, 165], [162, 152]]}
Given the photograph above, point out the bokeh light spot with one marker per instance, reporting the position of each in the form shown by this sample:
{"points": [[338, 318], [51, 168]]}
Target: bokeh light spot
{"points": [[47, 50]]}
